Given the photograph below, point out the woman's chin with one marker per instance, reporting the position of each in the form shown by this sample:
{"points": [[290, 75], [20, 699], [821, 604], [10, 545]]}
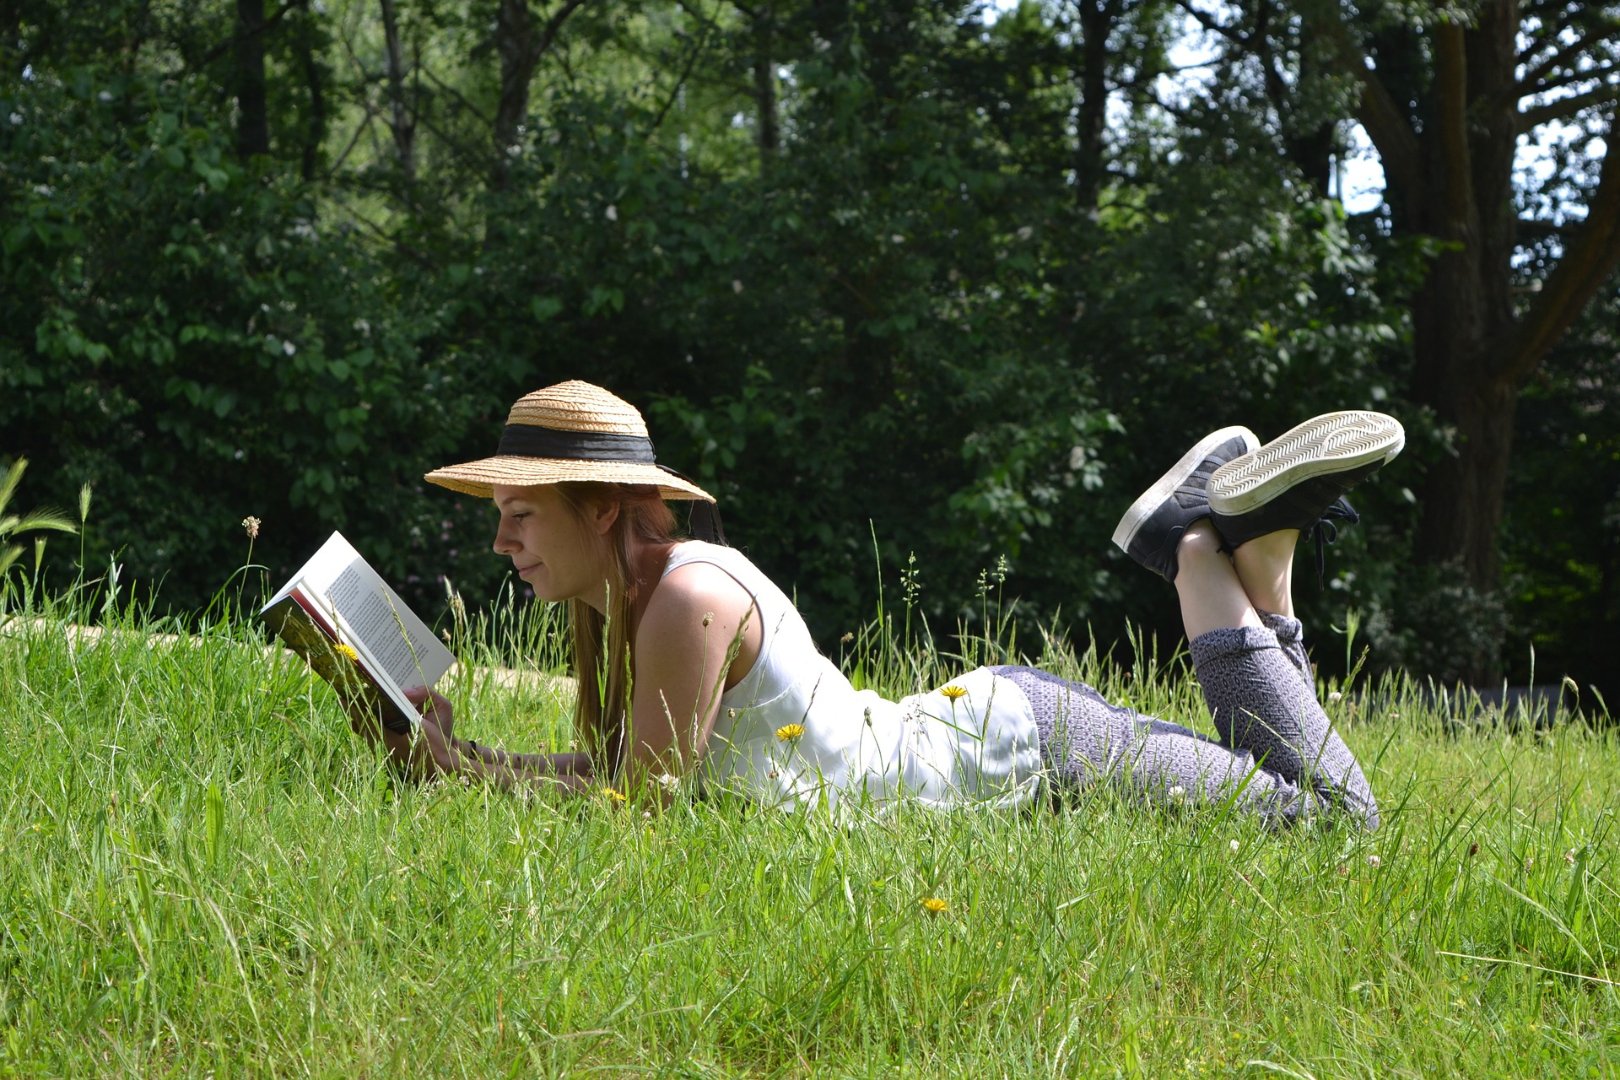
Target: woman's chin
{"points": [[542, 589]]}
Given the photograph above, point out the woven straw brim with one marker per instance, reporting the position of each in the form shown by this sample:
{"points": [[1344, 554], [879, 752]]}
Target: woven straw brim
{"points": [[479, 477]]}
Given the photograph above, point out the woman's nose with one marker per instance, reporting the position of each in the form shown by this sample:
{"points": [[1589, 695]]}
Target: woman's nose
{"points": [[505, 542]]}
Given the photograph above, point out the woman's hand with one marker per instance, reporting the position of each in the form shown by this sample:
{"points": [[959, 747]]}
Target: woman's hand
{"points": [[425, 751], [432, 744]]}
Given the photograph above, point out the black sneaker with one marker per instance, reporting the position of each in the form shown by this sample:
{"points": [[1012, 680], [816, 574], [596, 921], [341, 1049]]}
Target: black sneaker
{"points": [[1293, 480], [1151, 529]]}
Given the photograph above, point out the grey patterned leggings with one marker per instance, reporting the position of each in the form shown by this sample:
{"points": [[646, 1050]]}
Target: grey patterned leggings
{"points": [[1258, 684]]}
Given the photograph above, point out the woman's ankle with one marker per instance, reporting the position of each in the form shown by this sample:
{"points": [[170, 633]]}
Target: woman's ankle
{"points": [[1265, 567]]}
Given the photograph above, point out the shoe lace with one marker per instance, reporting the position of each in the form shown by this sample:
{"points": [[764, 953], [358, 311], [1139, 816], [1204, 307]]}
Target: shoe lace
{"points": [[1326, 533]]}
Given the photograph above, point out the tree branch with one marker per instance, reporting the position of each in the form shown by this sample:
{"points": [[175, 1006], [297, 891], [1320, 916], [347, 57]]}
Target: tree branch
{"points": [[1564, 108], [359, 130], [1589, 259], [1208, 22], [467, 154], [686, 73], [1389, 130], [1569, 78], [461, 99], [1531, 230], [231, 42], [708, 22], [554, 25], [1530, 83]]}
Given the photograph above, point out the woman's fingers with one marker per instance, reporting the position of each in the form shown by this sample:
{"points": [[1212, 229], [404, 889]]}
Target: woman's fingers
{"points": [[430, 702], [433, 745]]}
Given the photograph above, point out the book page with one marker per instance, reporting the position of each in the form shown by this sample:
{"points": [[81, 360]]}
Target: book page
{"points": [[397, 640], [338, 594]]}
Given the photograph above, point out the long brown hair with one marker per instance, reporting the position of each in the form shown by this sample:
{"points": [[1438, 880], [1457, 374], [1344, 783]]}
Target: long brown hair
{"points": [[604, 665]]}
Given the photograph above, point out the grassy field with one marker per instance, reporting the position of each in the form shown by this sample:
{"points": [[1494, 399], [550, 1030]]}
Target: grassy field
{"points": [[204, 872]]}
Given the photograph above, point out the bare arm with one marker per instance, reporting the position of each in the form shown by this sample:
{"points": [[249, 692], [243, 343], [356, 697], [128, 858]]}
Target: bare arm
{"points": [[698, 625], [526, 765], [433, 748]]}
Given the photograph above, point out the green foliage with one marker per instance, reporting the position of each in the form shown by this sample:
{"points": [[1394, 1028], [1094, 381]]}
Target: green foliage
{"points": [[899, 316], [1561, 537], [1436, 622], [203, 344]]}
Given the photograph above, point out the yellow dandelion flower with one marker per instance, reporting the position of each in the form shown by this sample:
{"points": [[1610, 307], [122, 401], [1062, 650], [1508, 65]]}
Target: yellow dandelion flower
{"points": [[613, 795], [347, 652], [935, 906], [789, 731], [953, 692]]}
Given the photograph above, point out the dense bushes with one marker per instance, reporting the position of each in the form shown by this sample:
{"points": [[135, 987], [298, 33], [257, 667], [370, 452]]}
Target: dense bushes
{"points": [[898, 323]]}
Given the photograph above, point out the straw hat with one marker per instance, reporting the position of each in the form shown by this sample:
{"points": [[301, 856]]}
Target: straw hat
{"points": [[570, 431]]}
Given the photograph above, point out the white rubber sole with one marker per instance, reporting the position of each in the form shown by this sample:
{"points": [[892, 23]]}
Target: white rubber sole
{"points": [[1331, 443], [1151, 499]]}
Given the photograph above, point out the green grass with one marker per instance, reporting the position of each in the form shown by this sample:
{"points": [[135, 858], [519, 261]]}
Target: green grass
{"points": [[204, 872]]}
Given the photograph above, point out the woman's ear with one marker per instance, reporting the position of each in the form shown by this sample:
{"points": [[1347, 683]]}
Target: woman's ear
{"points": [[604, 514]]}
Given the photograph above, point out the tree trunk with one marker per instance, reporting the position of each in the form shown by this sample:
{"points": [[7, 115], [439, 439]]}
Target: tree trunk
{"points": [[314, 81], [253, 120], [400, 123], [768, 135], [1096, 24], [1457, 195], [1473, 351], [521, 45], [515, 42]]}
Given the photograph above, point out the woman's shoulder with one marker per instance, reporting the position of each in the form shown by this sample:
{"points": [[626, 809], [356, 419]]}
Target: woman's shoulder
{"points": [[693, 580], [689, 552], [702, 561], [698, 608]]}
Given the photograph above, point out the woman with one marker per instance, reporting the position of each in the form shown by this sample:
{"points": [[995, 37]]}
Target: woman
{"points": [[691, 662]]}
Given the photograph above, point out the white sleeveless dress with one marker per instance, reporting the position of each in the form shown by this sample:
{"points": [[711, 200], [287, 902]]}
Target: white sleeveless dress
{"points": [[856, 748]]}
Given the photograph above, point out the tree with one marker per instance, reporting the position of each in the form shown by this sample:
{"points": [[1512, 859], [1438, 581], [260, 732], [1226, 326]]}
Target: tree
{"points": [[253, 118], [1446, 95]]}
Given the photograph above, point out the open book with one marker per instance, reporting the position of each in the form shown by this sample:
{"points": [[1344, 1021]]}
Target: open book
{"points": [[356, 633]]}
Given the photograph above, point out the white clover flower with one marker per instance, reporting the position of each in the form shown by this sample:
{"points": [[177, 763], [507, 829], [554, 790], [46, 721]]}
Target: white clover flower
{"points": [[1335, 696], [1235, 847], [1374, 861], [1178, 793]]}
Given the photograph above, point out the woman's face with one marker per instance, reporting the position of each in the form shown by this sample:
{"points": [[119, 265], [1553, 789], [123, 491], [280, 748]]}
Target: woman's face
{"points": [[550, 547]]}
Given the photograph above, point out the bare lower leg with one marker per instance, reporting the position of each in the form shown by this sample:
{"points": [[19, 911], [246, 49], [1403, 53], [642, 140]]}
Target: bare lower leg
{"points": [[1212, 597], [1265, 567]]}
